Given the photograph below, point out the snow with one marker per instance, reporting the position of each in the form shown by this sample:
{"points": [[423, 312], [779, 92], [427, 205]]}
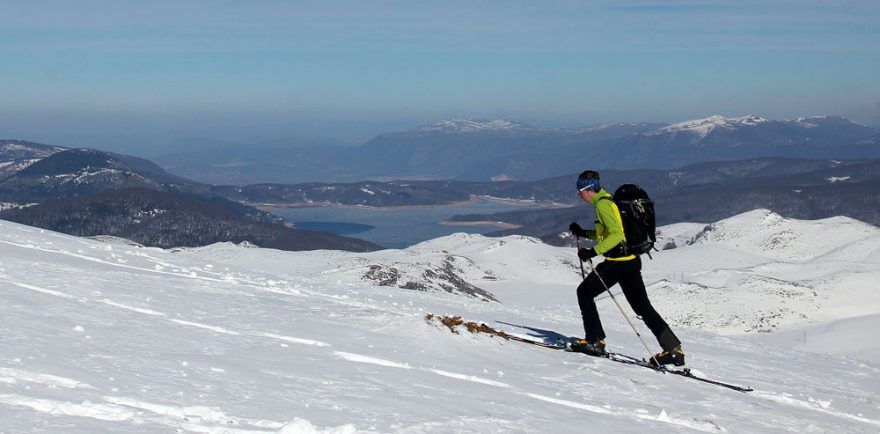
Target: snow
{"points": [[14, 166], [612, 125], [703, 127], [12, 205], [825, 338], [471, 125], [806, 122], [834, 179], [12, 147], [90, 175], [151, 213], [106, 336]]}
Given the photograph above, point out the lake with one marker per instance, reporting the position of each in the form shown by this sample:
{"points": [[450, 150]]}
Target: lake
{"points": [[396, 227]]}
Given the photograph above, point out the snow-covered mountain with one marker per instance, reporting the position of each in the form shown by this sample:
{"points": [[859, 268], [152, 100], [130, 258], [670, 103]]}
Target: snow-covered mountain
{"points": [[82, 171], [618, 129], [482, 150], [16, 155], [89, 192], [774, 273], [101, 336], [702, 127], [452, 126], [719, 138]]}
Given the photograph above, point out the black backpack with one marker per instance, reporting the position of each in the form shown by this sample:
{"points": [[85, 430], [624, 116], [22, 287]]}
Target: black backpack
{"points": [[637, 213]]}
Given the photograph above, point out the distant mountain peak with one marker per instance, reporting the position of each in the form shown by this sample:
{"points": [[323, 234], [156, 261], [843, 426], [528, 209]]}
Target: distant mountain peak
{"points": [[703, 127], [633, 127], [83, 171], [19, 149], [16, 155], [815, 121], [71, 161], [472, 125]]}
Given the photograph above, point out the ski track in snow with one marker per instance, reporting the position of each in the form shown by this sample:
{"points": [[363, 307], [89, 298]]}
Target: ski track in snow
{"points": [[102, 412], [193, 418], [51, 292], [12, 376], [131, 308], [150, 312], [252, 284], [663, 418], [197, 419], [182, 273], [294, 340], [206, 327]]}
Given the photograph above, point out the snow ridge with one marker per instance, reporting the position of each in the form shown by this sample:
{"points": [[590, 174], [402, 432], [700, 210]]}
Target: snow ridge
{"points": [[452, 126], [704, 127]]}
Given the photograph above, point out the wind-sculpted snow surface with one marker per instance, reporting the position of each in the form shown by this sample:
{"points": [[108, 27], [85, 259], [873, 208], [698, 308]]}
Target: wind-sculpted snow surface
{"points": [[759, 272], [106, 336], [764, 233]]}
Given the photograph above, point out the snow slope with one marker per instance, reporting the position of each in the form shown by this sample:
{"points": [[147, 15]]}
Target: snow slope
{"points": [[99, 336], [703, 127]]}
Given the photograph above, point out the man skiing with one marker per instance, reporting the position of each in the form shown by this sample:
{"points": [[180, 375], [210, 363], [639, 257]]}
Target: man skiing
{"points": [[619, 267]]}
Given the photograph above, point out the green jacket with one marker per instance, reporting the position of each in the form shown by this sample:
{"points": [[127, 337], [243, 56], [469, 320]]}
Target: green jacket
{"points": [[609, 226]]}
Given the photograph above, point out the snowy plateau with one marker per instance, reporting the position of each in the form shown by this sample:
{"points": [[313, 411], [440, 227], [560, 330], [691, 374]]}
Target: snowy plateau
{"points": [[471, 125], [702, 127], [102, 335]]}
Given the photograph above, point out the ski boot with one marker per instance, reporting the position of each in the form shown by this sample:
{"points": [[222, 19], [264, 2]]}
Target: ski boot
{"points": [[674, 356], [596, 348]]}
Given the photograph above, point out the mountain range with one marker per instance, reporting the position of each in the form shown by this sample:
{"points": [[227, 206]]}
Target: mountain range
{"points": [[86, 192], [475, 150], [72, 190], [705, 192]]}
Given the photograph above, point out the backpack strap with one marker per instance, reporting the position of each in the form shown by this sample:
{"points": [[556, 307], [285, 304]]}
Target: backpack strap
{"points": [[620, 251]]}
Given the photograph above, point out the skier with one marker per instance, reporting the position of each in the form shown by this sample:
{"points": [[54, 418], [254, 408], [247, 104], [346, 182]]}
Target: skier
{"points": [[618, 267]]}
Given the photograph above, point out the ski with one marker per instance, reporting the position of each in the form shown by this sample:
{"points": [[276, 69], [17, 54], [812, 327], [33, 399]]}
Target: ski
{"points": [[684, 372], [561, 346], [629, 360]]}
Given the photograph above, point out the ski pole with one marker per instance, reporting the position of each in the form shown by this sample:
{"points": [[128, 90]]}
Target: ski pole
{"points": [[619, 307], [577, 240]]}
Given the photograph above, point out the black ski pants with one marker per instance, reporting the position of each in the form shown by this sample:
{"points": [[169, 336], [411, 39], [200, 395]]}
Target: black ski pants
{"points": [[629, 275]]}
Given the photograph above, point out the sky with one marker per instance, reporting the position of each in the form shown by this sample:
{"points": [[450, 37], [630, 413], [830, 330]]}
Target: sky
{"points": [[146, 77]]}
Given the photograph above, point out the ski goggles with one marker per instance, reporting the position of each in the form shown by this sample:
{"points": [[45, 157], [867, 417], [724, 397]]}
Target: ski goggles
{"points": [[588, 184]]}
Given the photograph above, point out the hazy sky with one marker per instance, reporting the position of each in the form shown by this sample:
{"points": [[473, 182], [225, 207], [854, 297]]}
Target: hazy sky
{"points": [[145, 75]]}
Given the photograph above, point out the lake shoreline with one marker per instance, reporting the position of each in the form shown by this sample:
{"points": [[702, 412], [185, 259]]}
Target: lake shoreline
{"points": [[497, 224], [473, 199], [403, 226]]}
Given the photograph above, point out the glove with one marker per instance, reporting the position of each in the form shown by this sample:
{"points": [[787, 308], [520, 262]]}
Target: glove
{"points": [[577, 230], [586, 254]]}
